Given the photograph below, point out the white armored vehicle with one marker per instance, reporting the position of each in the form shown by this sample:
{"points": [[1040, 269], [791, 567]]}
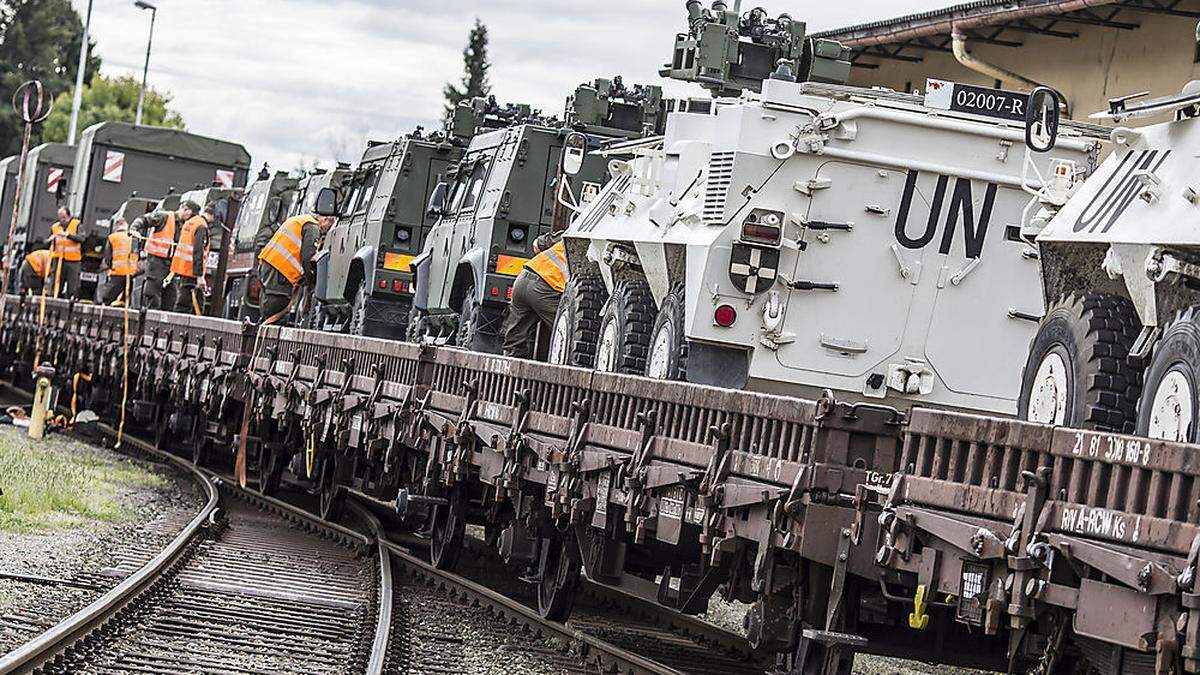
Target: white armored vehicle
{"points": [[818, 236], [1119, 348]]}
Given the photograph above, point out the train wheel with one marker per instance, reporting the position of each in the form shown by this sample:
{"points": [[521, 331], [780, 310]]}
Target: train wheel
{"points": [[625, 328], [333, 497], [668, 342], [270, 472], [1168, 409], [559, 577], [449, 525], [1078, 373], [577, 323]]}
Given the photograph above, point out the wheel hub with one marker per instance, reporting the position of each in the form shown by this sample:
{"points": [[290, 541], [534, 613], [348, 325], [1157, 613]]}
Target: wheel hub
{"points": [[1172, 411], [1048, 400]]}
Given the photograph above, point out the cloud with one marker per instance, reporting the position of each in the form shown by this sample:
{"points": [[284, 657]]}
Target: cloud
{"points": [[302, 80]]}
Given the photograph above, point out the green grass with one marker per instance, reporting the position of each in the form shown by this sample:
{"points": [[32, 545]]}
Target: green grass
{"points": [[54, 484]]}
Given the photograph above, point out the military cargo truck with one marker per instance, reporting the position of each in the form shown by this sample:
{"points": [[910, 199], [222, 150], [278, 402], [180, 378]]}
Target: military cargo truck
{"points": [[501, 197], [262, 211], [817, 236], [303, 199], [115, 159], [48, 174], [8, 193], [1119, 347]]}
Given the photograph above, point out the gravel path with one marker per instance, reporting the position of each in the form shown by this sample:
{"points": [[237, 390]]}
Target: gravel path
{"points": [[77, 563]]}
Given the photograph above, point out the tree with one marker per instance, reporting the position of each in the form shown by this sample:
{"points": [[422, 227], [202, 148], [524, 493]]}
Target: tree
{"points": [[39, 39], [475, 75], [110, 99]]}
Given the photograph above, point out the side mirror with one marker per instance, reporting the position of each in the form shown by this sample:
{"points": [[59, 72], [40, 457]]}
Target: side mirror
{"points": [[437, 199], [326, 202], [1041, 119], [574, 148]]}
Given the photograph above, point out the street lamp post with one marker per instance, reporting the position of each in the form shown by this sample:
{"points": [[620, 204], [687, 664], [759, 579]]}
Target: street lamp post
{"points": [[78, 99], [142, 4]]}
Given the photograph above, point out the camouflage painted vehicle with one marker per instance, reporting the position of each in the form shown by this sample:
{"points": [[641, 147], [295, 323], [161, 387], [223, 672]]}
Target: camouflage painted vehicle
{"points": [[264, 207]]}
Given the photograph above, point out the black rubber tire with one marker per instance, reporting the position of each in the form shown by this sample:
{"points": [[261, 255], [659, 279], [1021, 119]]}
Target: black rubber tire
{"points": [[357, 324], [670, 318], [631, 307], [1093, 333], [414, 332], [581, 304], [1177, 350], [559, 568], [478, 325]]}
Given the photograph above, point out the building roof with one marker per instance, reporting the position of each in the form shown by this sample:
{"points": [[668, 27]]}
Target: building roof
{"points": [[999, 22]]}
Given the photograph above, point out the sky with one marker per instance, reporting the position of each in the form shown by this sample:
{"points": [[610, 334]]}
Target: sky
{"points": [[304, 82]]}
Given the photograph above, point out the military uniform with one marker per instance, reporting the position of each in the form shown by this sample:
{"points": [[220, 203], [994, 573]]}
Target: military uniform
{"points": [[159, 230], [285, 262], [535, 298], [119, 258], [67, 244], [188, 263]]}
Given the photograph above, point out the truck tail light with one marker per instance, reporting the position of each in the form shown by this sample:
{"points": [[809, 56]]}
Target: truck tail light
{"points": [[399, 286], [509, 292], [761, 233], [383, 284], [725, 316], [254, 290]]}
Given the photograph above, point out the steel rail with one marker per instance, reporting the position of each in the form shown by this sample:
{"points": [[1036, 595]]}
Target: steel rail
{"points": [[383, 620], [70, 630]]}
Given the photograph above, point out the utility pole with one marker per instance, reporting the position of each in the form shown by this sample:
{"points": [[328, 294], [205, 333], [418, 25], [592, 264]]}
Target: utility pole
{"points": [[142, 4], [83, 52]]}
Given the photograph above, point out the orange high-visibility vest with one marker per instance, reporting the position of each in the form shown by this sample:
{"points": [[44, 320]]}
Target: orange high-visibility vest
{"points": [[182, 263], [70, 251], [551, 266], [124, 260], [159, 243], [39, 260], [283, 251]]}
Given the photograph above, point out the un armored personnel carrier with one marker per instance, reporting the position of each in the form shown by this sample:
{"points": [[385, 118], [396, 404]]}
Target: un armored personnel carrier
{"points": [[502, 196], [817, 236], [1119, 347], [115, 159], [264, 207]]}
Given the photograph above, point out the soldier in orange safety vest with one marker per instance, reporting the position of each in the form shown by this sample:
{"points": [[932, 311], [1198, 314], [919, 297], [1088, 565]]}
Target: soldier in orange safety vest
{"points": [[286, 263], [67, 245], [119, 259], [36, 270], [535, 297], [188, 264], [158, 229]]}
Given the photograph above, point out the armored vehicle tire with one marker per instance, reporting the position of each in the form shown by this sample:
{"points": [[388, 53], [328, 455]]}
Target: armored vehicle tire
{"points": [[576, 329], [1078, 373], [478, 325], [668, 340], [357, 325], [1168, 407], [625, 328], [415, 331]]}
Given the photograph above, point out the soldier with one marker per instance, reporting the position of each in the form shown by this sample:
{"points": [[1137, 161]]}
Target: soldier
{"points": [[67, 245], [159, 230], [120, 261], [36, 270], [535, 297], [191, 253], [286, 263]]}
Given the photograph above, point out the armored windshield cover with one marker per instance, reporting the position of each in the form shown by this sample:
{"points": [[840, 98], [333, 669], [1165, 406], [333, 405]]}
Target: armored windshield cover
{"points": [[171, 142]]}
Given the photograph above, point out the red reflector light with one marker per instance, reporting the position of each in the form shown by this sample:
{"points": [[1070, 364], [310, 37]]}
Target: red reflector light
{"points": [[510, 292], [495, 291], [398, 286], [383, 283], [762, 234], [725, 316]]}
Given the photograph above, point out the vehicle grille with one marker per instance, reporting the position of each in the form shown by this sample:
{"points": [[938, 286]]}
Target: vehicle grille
{"points": [[720, 175]]}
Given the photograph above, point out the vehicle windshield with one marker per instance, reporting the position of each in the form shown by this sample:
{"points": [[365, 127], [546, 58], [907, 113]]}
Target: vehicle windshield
{"points": [[250, 217]]}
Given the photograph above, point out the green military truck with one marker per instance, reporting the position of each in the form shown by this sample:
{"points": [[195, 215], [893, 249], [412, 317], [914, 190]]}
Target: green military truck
{"points": [[501, 196], [364, 285], [263, 209], [114, 160], [47, 176]]}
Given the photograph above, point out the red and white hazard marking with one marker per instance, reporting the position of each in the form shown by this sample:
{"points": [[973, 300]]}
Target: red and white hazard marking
{"points": [[114, 166], [224, 178], [53, 179]]}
